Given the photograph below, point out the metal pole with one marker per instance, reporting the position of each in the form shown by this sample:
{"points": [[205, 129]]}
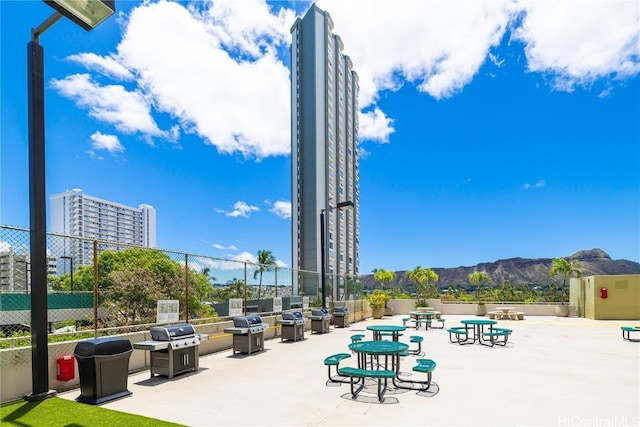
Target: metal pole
{"points": [[71, 262], [38, 226], [245, 288], [186, 287], [95, 289], [322, 271]]}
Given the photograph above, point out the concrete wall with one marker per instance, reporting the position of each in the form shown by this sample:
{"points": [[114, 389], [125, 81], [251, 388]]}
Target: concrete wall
{"points": [[623, 296], [404, 306], [15, 363]]}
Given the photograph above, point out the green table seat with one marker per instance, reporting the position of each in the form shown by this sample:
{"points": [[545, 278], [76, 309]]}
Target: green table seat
{"points": [[417, 340], [460, 333], [334, 360], [382, 375], [626, 333], [498, 336], [424, 366], [357, 337], [439, 322]]}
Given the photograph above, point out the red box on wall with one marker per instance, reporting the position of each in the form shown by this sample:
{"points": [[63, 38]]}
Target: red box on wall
{"points": [[66, 368]]}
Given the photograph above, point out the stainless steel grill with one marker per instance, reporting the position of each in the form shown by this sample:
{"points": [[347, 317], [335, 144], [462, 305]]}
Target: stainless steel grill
{"points": [[248, 334], [293, 324], [320, 320], [173, 349], [341, 317]]}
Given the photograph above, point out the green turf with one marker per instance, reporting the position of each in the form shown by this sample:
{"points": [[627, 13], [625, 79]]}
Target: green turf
{"points": [[56, 412]]}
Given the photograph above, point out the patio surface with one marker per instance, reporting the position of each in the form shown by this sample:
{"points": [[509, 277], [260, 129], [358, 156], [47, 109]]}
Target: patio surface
{"points": [[553, 372]]}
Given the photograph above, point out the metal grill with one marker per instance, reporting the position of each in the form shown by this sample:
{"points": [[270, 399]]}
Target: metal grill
{"points": [[320, 320], [248, 334], [341, 317], [293, 324], [173, 349]]}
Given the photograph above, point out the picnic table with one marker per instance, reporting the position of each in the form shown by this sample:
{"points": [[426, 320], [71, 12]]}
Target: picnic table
{"points": [[506, 311], [423, 317], [379, 330], [477, 327]]}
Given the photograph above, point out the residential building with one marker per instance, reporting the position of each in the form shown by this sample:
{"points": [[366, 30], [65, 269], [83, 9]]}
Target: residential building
{"points": [[15, 269], [74, 213], [324, 154]]}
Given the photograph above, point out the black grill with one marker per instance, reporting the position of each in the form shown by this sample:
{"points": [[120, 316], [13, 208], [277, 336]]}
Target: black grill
{"points": [[341, 317], [248, 334], [174, 349], [293, 323], [320, 320]]}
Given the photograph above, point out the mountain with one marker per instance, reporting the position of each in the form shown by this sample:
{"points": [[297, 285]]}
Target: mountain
{"points": [[523, 271]]}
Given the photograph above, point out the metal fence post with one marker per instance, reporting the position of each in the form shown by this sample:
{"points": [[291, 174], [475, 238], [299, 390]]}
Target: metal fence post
{"points": [[186, 287], [95, 289]]}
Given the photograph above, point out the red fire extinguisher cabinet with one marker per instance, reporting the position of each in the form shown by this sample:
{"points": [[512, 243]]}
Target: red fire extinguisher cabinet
{"points": [[66, 368]]}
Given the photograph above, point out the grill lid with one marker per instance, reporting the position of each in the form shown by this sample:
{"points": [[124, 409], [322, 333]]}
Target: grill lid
{"points": [[172, 332], [247, 321], [320, 312], [292, 315], [341, 310]]}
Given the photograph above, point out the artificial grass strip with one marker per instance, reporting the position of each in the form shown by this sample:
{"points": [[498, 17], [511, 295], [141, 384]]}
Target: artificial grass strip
{"points": [[56, 412]]}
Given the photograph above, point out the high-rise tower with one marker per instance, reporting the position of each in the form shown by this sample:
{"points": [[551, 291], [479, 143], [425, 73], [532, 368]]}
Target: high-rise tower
{"points": [[77, 214], [324, 154]]}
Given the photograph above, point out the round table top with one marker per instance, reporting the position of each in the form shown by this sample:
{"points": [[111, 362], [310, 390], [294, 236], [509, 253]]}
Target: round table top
{"points": [[379, 347], [386, 328], [505, 308], [478, 322], [423, 313]]}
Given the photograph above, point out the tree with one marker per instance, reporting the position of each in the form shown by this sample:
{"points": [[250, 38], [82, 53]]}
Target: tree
{"points": [[560, 266], [131, 281], [423, 278], [477, 278], [383, 276], [266, 262]]}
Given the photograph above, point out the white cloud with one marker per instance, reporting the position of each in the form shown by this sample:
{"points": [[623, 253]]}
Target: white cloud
{"points": [[437, 45], [538, 184], [181, 62], [240, 208], [226, 248], [107, 65], [281, 208], [375, 126], [215, 67], [111, 143], [581, 41], [129, 112]]}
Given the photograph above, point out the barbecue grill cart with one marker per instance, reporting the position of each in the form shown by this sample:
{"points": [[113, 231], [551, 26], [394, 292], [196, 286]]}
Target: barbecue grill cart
{"points": [[173, 349], [248, 334], [293, 323], [341, 317], [320, 320]]}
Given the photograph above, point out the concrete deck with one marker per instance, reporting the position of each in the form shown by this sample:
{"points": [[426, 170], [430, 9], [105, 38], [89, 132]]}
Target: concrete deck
{"points": [[553, 372]]}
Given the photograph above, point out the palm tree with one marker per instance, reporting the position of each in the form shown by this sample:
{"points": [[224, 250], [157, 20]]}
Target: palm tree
{"points": [[423, 277], [566, 269], [266, 262], [477, 278], [383, 276]]}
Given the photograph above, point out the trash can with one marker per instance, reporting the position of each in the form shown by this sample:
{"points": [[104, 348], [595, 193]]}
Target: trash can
{"points": [[103, 366]]}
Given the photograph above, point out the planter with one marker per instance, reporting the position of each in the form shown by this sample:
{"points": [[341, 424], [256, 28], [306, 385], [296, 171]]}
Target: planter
{"points": [[481, 310], [562, 310], [377, 312], [388, 311]]}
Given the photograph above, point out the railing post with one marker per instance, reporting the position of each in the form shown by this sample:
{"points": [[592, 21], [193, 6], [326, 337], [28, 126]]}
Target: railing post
{"points": [[95, 289], [245, 288], [186, 287]]}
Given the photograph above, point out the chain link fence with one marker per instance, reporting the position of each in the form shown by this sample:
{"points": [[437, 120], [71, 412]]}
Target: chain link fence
{"points": [[98, 287]]}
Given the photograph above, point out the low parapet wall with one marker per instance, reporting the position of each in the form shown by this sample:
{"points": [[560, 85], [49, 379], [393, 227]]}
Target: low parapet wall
{"points": [[15, 363]]}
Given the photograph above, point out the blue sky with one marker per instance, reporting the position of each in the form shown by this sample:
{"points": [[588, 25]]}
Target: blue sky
{"points": [[489, 130]]}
